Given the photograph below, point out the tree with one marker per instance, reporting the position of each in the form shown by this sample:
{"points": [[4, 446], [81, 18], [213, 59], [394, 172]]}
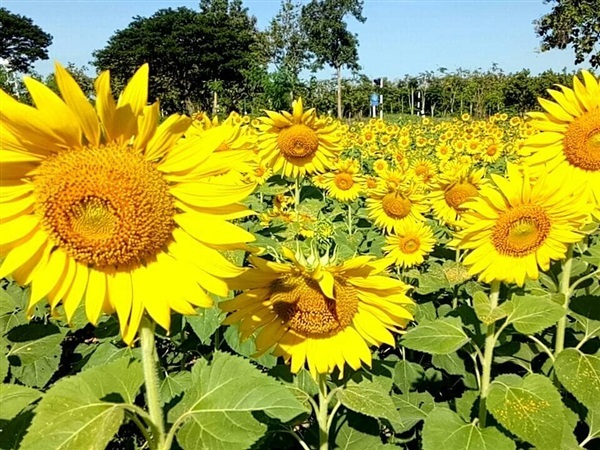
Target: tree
{"points": [[575, 23], [328, 37], [287, 43], [192, 54], [21, 41]]}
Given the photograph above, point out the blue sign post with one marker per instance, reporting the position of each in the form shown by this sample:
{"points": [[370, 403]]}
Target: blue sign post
{"points": [[374, 99]]}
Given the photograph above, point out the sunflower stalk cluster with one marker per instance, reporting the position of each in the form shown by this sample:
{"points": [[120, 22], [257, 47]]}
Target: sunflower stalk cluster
{"points": [[290, 280]]}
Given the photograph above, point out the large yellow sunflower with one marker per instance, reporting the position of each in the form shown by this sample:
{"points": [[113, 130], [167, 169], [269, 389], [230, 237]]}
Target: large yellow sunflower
{"points": [[451, 190], [320, 314], [570, 133], [298, 143], [518, 227], [105, 205]]}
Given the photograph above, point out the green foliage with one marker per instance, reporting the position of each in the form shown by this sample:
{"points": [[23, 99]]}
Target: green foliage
{"points": [[574, 23], [215, 410], [439, 337], [86, 410], [580, 374], [21, 41]]}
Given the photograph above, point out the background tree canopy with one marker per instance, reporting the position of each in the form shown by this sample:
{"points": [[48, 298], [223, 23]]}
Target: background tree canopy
{"points": [[190, 53], [572, 22], [21, 41]]}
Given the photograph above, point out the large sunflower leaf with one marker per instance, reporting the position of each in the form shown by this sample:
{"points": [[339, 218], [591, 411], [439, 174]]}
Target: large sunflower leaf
{"points": [[15, 398], [216, 410], [369, 398], [531, 408], [438, 337], [86, 410], [531, 314], [445, 429], [580, 374]]}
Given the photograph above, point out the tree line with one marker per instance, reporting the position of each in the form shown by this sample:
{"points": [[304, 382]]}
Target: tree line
{"points": [[215, 59]]}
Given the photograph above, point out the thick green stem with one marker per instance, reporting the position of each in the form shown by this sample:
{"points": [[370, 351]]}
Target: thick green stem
{"points": [[322, 413], [150, 366], [565, 289], [349, 218], [488, 357]]}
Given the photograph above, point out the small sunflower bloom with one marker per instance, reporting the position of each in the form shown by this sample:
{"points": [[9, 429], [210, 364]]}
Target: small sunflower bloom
{"points": [[409, 244]]}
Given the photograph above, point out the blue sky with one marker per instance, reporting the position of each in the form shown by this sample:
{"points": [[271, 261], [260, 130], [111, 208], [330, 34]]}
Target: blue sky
{"points": [[399, 37]]}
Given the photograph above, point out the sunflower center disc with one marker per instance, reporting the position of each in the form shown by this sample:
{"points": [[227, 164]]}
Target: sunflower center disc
{"points": [[343, 181], [582, 141], [301, 304], [104, 206], [298, 141], [459, 193], [410, 244], [521, 230], [397, 207]]}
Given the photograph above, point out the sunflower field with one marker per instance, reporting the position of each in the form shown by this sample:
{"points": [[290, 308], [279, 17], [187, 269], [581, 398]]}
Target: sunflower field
{"points": [[290, 281]]}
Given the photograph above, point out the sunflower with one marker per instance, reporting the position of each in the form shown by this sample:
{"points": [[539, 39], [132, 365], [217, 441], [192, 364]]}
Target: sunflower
{"points": [[452, 189], [103, 205], [570, 133], [298, 143], [391, 207], [380, 166], [514, 230], [409, 244], [345, 182], [321, 314]]}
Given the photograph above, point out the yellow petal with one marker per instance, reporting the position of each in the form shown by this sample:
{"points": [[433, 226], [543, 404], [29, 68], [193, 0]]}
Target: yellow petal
{"points": [[166, 135], [75, 293], [135, 94], [105, 105], [120, 292], [94, 295], [213, 231], [20, 255]]}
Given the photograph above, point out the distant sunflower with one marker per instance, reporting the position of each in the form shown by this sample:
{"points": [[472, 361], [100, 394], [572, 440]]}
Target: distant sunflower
{"points": [[516, 229], [570, 133], [104, 205], [390, 208], [409, 244], [451, 190], [345, 182], [319, 314], [298, 143]]}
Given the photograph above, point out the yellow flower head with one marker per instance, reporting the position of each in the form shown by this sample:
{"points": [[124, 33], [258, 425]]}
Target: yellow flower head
{"points": [[409, 244], [102, 205], [517, 228], [344, 183], [297, 143], [317, 313]]}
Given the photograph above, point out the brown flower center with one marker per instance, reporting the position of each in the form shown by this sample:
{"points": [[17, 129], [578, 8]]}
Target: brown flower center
{"points": [[104, 206], [459, 193], [298, 141], [396, 206], [301, 305], [521, 230], [410, 244], [343, 181], [582, 141]]}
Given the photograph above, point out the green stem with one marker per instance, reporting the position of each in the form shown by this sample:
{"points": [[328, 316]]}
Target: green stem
{"points": [[349, 219], [322, 416], [150, 366], [488, 357], [565, 289]]}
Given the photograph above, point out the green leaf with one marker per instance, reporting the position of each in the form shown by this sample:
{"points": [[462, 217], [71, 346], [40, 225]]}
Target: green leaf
{"points": [[86, 410], [433, 280], [412, 408], [444, 428], [530, 408], [206, 323], [173, 385], [483, 309], [440, 336], [358, 435], [247, 348], [15, 398], [464, 404], [531, 314], [451, 363], [106, 352], [34, 361], [580, 375], [369, 398], [220, 401], [406, 375], [3, 364]]}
